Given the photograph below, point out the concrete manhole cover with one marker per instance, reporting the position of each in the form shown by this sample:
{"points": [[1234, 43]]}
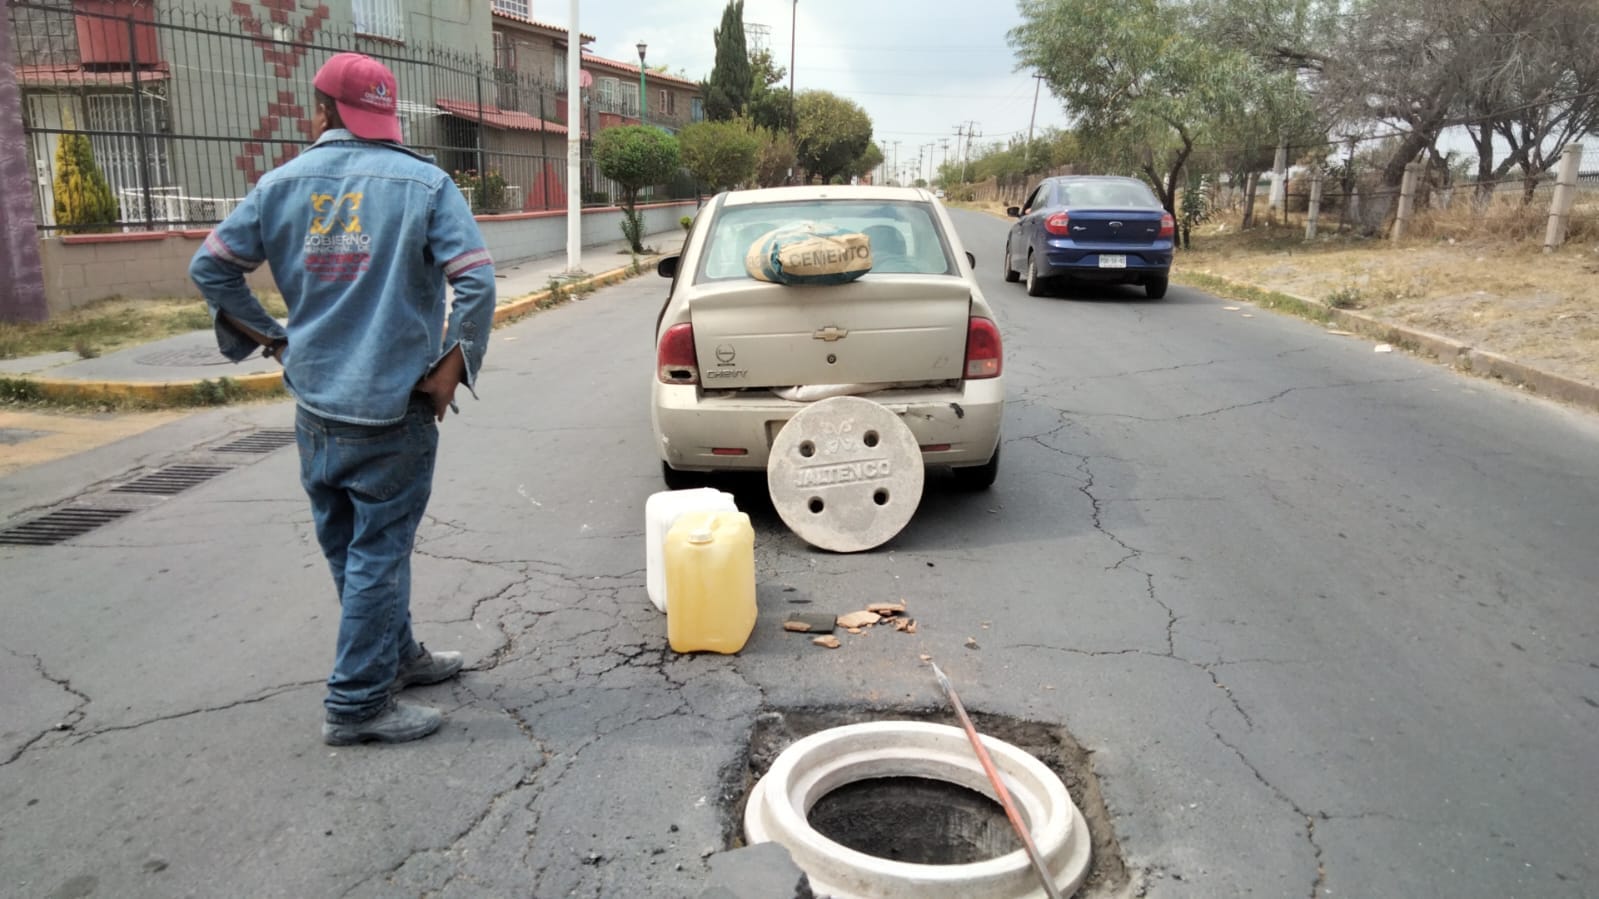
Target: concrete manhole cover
{"points": [[195, 356], [845, 474]]}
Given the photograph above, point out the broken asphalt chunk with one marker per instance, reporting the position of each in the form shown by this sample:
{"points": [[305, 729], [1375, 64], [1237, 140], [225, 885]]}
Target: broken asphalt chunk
{"points": [[887, 609], [859, 619], [829, 641]]}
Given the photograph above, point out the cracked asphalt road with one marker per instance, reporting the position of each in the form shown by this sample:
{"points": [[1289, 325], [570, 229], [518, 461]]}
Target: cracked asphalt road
{"points": [[1325, 617]]}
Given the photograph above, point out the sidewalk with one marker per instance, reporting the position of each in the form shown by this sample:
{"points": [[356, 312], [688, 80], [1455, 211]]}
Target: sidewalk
{"points": [[182, 364]]}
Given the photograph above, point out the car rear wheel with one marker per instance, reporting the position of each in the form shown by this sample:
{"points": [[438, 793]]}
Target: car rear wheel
{"points": [[978, 477], [1155, 288], [1035, 284], [1011, 275]]}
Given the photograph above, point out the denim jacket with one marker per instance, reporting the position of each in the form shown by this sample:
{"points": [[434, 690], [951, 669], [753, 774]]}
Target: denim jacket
{"points": [[361, 238]]}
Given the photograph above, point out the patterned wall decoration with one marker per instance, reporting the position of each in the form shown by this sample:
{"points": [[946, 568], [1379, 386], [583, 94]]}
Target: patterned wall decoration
{"points": [[255, 18]]}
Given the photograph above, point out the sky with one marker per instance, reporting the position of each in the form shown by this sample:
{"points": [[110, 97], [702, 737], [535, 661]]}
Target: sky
{"points": [[919, 69]]}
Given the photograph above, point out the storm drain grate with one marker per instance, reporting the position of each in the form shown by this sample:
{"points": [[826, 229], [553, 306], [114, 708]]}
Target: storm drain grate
{"points": [[172, 480], [260, 442], [59, 526]]}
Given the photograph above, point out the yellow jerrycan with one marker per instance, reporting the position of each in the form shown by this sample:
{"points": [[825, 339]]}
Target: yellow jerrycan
{"points": [[710, 576]]}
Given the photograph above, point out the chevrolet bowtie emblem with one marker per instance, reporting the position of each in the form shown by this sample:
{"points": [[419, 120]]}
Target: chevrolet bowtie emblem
{"points": [[831, 334]]}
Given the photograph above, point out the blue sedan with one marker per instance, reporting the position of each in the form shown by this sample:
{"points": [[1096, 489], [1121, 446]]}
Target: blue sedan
{"points": [[1090, 228]]}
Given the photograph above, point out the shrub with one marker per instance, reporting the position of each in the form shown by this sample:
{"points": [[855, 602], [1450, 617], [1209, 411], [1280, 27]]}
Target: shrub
{"points": [[83, 198], [487, 191]]}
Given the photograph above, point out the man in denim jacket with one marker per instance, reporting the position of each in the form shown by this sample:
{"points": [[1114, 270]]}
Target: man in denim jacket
{"points": [[361, 235]]}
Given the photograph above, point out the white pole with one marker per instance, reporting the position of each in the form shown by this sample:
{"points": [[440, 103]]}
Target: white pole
{"points": [[1565, 198], [574, 146]]}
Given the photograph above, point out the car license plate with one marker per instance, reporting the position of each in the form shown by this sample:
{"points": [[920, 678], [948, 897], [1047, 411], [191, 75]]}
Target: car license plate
{"points": [[1112, 261]]}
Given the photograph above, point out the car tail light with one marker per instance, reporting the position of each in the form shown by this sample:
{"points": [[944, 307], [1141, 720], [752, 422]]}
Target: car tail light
{"points": [[675, 356], [1168, 226], [1057, 223], [984, 355]]}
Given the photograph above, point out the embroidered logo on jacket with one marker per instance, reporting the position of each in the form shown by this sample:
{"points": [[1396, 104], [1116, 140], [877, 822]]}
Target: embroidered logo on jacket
{"points": [[336, 249]]}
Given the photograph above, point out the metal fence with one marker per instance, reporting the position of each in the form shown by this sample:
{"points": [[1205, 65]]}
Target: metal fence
{"points": [[184, 109]]}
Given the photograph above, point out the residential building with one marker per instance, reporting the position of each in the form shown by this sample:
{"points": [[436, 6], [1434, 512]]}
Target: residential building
{"points": [[188, 104]]}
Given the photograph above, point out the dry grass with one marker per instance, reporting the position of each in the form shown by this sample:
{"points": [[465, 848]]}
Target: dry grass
{"points": [[112, 325], [1507, 297]]}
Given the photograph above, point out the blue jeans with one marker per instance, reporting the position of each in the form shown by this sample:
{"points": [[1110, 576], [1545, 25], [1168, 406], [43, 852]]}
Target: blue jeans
{"points": [[368, 487]]}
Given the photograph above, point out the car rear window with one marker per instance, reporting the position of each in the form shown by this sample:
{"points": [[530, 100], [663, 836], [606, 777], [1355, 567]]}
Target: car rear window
{"points": [[1107, 193], [905, 236]]}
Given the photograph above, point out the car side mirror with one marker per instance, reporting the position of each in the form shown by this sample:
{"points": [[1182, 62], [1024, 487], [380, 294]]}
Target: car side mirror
{"points": [[667, 268], [1014, 212], [970, 259]]}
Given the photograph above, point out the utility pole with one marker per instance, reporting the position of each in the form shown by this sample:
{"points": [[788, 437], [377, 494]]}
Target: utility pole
{"points": [[943, 156], [960, 132], [1027, 155], [971, 133], [895, 144], [793, 35], [574, 147]]}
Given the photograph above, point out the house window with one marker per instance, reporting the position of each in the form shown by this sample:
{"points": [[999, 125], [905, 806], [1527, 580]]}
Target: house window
{"points": [[380, 18], [523, 8], [667, 103], [118, 153], [504, 51], [629, 99], [607, 93], [696, 109]]}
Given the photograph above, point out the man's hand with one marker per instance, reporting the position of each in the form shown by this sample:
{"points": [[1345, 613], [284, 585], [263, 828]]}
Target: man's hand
{"points": [[440, 383]]}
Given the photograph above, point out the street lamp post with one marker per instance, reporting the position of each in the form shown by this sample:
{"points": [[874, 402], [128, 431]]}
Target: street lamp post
{"points": [[643, 94]]}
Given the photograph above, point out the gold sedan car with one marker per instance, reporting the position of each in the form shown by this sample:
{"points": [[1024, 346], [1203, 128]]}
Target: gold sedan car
{"points": [[736, 358]]}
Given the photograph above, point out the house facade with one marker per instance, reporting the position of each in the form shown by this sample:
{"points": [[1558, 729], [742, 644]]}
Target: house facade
{"points": [[187, 104]]}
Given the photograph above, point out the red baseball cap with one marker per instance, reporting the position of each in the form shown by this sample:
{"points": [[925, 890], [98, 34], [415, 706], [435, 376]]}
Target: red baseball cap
{"points": [[365, 92]]}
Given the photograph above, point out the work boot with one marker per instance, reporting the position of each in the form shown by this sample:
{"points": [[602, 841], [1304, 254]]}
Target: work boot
{"points": [[427, 668], [399, 722]]}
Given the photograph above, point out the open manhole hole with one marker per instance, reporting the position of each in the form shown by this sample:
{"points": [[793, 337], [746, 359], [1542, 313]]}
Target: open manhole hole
{"points": [[915, 819], [919, 819]]}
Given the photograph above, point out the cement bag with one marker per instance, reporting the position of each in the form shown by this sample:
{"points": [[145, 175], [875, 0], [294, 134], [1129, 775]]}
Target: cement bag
{"points": [[809, 253]]}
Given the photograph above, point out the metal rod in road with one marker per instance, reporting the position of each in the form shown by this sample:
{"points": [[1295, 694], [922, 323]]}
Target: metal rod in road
{"points": [[1002, 794]]}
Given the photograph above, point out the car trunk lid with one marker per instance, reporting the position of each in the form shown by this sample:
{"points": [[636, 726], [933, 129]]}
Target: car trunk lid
{"points": [[881, 329], [1115, 226]]}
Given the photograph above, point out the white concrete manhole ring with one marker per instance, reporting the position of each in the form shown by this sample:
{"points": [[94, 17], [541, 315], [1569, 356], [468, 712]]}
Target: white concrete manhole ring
{"points": [[845, 474], [780, 805]]}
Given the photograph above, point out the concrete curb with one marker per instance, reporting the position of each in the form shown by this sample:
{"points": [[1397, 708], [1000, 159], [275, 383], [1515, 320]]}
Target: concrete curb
{"points": [[1454, 353], [160, 393], [169, 394], [533, 302]]}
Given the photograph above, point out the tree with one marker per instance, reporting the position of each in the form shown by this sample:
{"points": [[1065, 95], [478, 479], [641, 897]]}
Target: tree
{"points": [[83, 198], [776, 158], [727, 91], [1536, 87], [1148, 87], [721, 154], [635, 157], [831, 133], [868, 161], [769, 102]]}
